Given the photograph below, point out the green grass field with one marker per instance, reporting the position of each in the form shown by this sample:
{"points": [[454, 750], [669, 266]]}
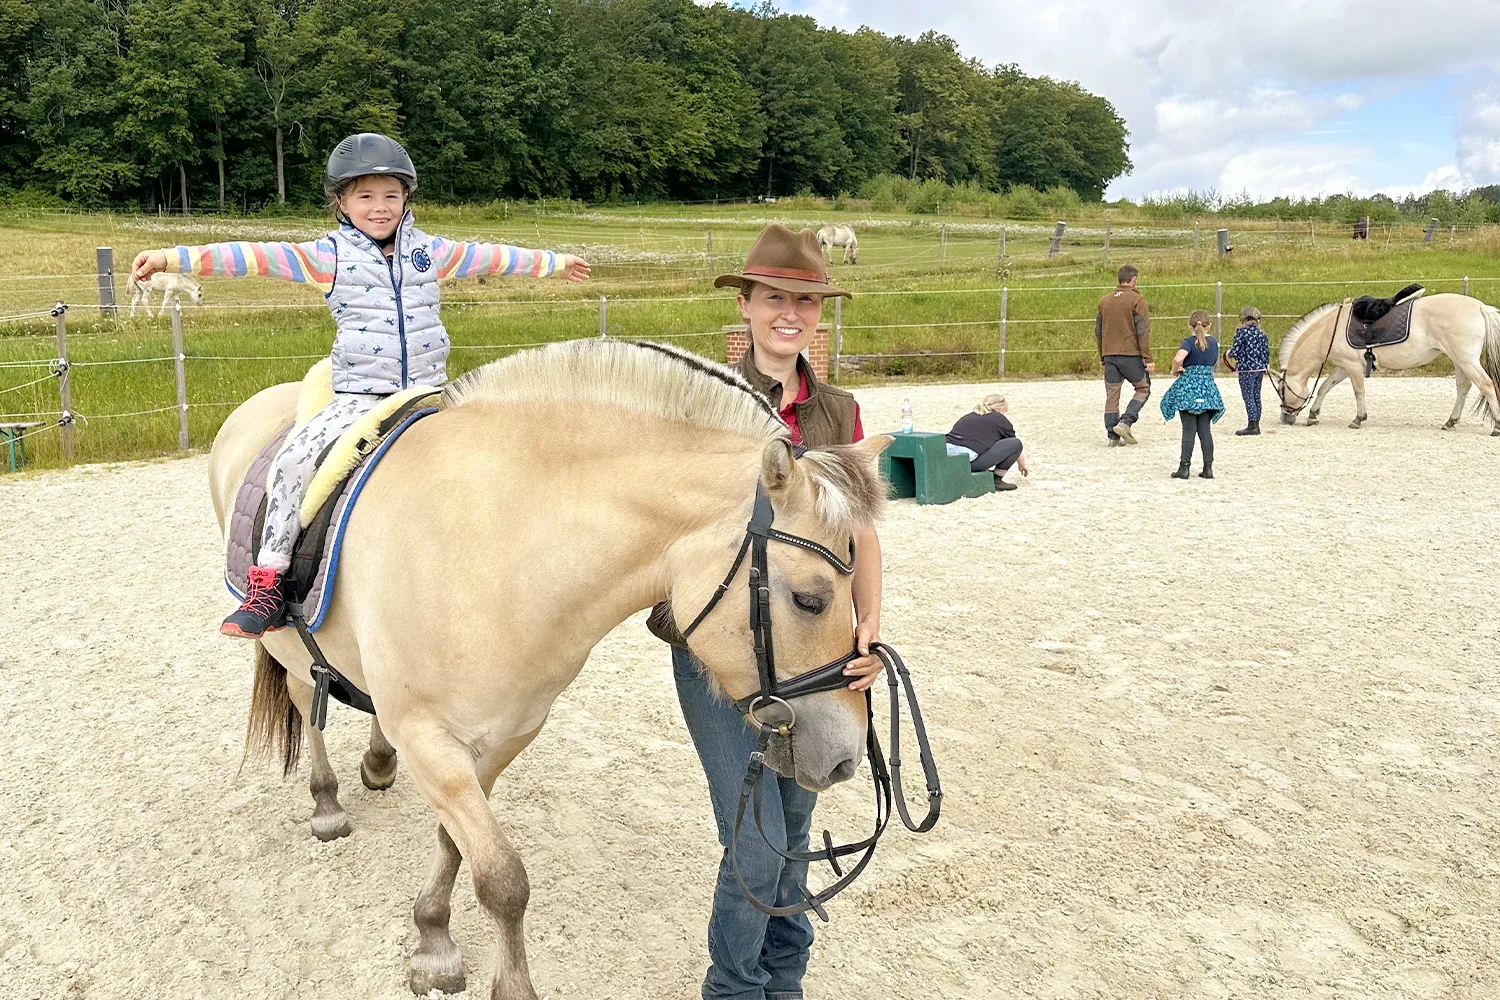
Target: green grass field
{"points": [[927, 300]]}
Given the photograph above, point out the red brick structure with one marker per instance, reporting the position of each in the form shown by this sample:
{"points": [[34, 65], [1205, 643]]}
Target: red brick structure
{"points": [[737, 341]]}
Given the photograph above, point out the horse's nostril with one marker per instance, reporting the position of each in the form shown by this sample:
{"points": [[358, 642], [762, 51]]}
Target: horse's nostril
{"points": [[843, 772]]}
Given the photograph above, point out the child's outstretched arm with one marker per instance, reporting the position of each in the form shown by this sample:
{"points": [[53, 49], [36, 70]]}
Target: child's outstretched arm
{"points": [[311, 263], [459, 259]]}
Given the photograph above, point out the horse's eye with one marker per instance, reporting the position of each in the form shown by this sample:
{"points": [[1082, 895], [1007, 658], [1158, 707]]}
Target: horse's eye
{"points": [[807, 602]]}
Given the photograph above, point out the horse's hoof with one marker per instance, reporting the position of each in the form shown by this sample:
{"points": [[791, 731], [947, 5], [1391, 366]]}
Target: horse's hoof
{"points": [[1450, 425], [331, 826], [443, 973], [1355, 425], [1312, 421], [1495, 433], [376, 777]]}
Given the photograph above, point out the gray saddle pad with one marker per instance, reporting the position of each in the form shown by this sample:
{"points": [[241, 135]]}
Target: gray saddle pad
{"points": [[1392, 328]]}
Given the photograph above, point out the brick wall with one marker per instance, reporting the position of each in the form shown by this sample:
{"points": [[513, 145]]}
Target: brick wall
{"points": [[737, 341]]}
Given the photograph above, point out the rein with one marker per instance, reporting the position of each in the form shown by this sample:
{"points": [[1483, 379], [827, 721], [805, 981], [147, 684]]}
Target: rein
{"points": [[1281, 389], [828, 677]]}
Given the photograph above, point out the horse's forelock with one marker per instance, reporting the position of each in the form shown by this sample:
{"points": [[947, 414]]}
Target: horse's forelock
{"points": [[850, 495]]}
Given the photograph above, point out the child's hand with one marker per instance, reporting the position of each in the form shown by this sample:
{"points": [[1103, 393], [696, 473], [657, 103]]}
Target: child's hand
{"points": [[147, 263], [573, 268]]}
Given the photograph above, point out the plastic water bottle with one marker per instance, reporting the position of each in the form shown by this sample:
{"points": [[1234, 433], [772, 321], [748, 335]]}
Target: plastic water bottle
{"points": [[906, 415]]}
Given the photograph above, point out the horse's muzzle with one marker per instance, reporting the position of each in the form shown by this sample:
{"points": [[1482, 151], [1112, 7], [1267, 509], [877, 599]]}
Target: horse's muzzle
{"points": [[1289, 417]]}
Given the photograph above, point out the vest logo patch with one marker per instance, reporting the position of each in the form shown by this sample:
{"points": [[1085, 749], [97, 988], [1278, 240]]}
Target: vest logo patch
{"points": [[420, 260]]}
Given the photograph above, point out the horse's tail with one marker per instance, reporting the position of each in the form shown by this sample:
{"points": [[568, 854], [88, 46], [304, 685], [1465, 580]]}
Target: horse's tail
{"points": [[275, 726], [1491, 356]]}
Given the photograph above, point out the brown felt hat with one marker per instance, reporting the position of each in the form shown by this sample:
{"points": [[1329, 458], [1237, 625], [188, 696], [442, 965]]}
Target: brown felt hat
{"points": [[780, 258]]}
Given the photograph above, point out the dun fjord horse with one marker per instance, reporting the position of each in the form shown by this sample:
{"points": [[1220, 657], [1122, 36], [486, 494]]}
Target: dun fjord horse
{"points": [[554, 494], [1463, 328]]}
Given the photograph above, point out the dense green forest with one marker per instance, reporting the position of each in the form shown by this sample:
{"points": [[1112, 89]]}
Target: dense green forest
{"points": [[129, 102]]}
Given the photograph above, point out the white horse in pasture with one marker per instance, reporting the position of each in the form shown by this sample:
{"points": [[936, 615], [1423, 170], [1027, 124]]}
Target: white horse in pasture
{"points": [[171, 286], [839, 236], [1463, 328]]}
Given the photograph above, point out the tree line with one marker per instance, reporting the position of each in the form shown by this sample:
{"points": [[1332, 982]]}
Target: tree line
{"points": [[183, 103]]}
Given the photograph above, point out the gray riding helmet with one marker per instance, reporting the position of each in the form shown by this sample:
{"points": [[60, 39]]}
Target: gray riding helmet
{"points": [[367, 153]]}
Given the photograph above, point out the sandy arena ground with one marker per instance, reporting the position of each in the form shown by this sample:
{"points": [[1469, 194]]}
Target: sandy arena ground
{"points": [[1200, 739]]}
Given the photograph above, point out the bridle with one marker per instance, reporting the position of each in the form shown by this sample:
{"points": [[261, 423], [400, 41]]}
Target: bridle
{"points": [[829, 677], [1281, 389]]}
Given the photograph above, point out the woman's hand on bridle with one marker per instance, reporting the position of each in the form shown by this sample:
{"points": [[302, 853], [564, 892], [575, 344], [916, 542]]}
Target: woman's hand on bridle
{"points": [[865, 669]]}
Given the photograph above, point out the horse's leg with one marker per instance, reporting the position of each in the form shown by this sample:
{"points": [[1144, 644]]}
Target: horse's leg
{"points": [[1463, 394], [1474, 371], [329, 820], [1357, 380], [500, 882], [1317, 404], [378, 767]]}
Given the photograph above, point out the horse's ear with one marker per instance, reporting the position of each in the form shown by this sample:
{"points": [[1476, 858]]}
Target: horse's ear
{"points": [[777, 465], [871, 447]]}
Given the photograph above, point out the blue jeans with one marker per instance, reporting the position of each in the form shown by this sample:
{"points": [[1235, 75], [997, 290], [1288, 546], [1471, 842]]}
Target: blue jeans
{"points": [[752, 956]]}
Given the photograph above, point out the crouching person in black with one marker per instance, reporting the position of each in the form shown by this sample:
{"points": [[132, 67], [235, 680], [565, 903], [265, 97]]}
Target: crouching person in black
{"points": [[989, 439]]}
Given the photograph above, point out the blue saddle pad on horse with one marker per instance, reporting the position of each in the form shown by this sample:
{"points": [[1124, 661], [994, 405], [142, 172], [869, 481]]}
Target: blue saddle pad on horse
{"points": [[315, 563]]}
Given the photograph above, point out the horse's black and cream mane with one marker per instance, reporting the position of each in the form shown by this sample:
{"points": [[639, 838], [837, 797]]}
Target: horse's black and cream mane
{"points": [[1289, 341], [667, 382]]}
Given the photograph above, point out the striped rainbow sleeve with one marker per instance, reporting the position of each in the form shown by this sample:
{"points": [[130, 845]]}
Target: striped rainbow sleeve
{"points": [[456, 259], [306, 263]]}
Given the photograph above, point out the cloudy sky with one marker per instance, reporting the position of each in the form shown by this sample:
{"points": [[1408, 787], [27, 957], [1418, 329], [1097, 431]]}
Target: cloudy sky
{"points": [[1260, 96]]}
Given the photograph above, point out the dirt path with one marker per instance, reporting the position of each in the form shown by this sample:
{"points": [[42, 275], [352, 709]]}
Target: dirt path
{"points": [[1202, 739]]}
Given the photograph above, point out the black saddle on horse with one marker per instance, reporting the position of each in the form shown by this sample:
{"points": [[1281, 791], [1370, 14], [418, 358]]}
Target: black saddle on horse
{"points": [[1377, 322]]}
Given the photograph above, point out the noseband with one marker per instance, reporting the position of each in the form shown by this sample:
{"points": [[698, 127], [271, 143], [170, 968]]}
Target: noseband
{"points": [[829, 677]]}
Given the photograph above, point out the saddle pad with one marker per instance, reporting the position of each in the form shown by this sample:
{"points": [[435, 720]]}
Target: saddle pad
{"points": [[1392, 328], [345, 454], [246, 519]]}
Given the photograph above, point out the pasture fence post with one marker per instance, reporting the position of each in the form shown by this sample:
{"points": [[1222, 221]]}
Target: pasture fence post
{"points": [[1466, 284], [1107, 227], [1004, 308], [1000, 260], [64, 383], [1313, 228], [1057, 235], [942, 242], [603, 306], [708, 250], [104, 265], [1278, 229], [1431, 228], [1219, 306], [179, 362], [1195, 236], [838, 334], [1452, 235], [1223, 235]]}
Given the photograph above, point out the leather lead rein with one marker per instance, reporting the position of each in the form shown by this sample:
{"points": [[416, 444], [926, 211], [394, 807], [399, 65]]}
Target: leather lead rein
{"points": [[828, 677]]}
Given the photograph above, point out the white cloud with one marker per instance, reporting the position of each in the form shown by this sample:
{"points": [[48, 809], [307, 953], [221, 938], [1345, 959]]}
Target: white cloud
{"points": [[1197, 82]]}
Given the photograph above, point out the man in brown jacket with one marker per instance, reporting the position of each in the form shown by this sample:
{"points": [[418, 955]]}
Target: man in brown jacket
{"points": [[1123, 331]]}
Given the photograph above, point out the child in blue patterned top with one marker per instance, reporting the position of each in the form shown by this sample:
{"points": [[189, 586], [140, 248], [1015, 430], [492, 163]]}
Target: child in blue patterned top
{"points": [[1194, 397], [1250, 355]]}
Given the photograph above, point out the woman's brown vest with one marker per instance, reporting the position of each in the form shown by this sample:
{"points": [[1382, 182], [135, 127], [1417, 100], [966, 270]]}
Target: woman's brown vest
{"points": [[826, 416]]}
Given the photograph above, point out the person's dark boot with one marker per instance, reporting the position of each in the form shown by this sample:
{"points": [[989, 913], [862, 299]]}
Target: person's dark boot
{"points": [[264, 609], [1182, 470], [1207, 473], [1001, 486], [1253, 427]]}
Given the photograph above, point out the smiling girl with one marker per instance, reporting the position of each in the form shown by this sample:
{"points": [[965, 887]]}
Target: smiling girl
{"points": [[380, 275]]}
